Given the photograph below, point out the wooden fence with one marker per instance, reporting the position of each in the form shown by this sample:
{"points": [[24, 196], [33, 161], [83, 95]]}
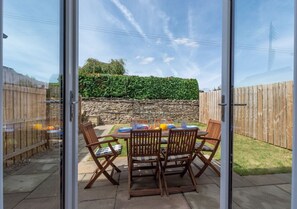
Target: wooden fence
{"points": [[267, 116], [24, 109]]}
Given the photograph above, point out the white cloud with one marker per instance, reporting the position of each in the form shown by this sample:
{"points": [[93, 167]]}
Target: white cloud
{"points": [[145, 60], [129, 16], [167, 59], [186, 42], [190, 22], [166, 27], [159, 41], [174, 72]]}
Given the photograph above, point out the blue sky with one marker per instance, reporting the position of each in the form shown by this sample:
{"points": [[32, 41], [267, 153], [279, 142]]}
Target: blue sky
{"points": [[160, 38], [155, 37]]}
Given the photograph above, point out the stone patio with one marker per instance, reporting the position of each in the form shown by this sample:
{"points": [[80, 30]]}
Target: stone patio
{"points": [[35, 185]]}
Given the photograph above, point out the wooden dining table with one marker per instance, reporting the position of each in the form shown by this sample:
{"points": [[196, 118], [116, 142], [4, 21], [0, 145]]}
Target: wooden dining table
{"points": [[165, 133]]}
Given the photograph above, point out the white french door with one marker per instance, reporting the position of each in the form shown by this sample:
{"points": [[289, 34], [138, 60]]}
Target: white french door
{"points": [[38, 97], [257, 62]]}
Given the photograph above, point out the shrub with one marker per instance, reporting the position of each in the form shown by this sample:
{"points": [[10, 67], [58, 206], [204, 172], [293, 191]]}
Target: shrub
{"points": [[136, 87]]}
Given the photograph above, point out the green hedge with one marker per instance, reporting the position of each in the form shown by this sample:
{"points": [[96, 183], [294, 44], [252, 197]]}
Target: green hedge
{"points": [[136, 87]]}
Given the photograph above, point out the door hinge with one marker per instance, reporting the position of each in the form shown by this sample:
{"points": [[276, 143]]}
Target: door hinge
{"points": [[73, 103]]}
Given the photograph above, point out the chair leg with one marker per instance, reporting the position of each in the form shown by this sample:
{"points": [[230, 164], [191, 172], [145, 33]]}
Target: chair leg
{"points": [[160, 178], [192, 177], [207, 162], [164, 181], [129, 180], [113, 165], [201, 170], [215, 169], [102, 170]]}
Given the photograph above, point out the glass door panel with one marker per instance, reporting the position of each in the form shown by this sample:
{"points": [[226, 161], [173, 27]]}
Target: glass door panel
{"points": [[32, 104], [164, 39], [262, 103]]}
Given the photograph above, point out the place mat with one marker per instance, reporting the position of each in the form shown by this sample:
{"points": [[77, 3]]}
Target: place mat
{"points": [[192, 126], [124, 129], [141, 126]]}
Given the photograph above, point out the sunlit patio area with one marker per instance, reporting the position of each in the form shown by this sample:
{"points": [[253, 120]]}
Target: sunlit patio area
{"points": [[33, 184]]}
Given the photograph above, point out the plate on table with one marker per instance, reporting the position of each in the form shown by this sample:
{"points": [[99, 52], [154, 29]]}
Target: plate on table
{"points": [[142, 126], [170, 126], [192, 126], [124, 129]]}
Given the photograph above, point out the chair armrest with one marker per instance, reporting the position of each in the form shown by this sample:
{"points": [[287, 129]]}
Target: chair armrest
{"points": [[109, 135], [102, 142], [112, 149], [208, 138]]}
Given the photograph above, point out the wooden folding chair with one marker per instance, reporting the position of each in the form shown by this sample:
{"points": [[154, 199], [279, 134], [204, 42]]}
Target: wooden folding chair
{"points": [[177, 157], [212, 138], [101, 150], [144, 154]]}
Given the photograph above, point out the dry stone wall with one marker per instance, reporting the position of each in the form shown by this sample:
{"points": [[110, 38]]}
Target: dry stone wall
{"points": [[120, 111]]}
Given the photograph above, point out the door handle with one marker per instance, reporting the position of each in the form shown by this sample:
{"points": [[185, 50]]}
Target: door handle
{"points": [[243, 104], [72, 105], [224, 104]]}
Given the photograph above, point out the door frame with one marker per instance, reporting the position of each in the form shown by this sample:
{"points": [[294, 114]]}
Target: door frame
{"points": [[69, 65], [227, 135], [1, 105], [226, 148], [69, 27], [294, 144]]}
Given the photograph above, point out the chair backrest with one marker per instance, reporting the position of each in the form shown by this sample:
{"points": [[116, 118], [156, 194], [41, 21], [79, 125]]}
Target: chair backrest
{"points": [[89, 133], [181, 141], [144, 143], [139, 121], [213, 131]]}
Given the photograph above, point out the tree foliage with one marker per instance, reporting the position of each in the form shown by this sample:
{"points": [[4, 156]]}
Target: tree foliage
{"points": [[115, 67]]}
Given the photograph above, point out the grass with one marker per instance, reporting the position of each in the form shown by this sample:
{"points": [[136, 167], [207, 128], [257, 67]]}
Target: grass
{"points": [[251, 157]]}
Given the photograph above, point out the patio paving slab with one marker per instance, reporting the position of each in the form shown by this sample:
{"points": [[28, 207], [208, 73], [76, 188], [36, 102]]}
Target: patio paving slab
{"points": [[98, 204], [44, 203], [208, 197], [268, 179], [11, 200], [23, 183], [285, 187], [37, 168], [264, 197], [87, 167], [175, 201], [97, 192], [286, 177], [49, 188]]}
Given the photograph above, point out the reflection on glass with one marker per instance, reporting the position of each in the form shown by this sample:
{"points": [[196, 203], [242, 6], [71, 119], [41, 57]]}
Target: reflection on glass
{"points": [[32, 109], [262, 122]]}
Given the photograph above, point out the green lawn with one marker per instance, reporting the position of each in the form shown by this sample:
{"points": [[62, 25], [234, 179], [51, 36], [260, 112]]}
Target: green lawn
{"points": [[251, 157]]}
